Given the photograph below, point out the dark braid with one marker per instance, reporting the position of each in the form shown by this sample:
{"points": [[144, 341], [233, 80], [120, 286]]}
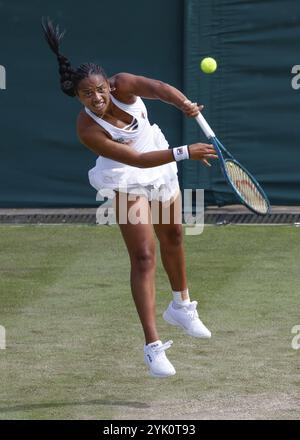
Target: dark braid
{"points": [[69, 78]]}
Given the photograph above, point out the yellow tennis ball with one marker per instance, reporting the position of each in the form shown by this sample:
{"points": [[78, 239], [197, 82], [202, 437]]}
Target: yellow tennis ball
{"points": [[208, 65]]}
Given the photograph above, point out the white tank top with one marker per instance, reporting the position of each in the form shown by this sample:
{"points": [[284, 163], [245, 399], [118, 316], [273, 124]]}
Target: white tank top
{"points": [[109, 173]]}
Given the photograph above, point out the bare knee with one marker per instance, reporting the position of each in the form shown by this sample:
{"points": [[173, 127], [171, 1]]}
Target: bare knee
{"points": [[172, 237], [143, 260]]}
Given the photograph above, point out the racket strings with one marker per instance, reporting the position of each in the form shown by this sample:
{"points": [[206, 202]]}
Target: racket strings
{"points": [[245, 186]]}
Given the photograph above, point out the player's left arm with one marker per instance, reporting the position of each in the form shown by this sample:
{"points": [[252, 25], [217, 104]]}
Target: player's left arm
{"points": [[128, 86]]}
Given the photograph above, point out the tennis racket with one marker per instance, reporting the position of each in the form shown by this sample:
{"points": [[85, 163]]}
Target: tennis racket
{"points": [[244, 185]]}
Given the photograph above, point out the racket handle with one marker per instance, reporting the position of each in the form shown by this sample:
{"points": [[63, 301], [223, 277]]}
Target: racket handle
{"points": [[205, 127]]}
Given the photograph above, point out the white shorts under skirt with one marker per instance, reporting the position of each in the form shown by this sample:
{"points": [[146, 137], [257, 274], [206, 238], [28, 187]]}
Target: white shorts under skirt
{"points": [[162, 193]]}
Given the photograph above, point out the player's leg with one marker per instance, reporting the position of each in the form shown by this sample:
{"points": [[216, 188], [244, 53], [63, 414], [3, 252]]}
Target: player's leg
{"points": [[181, 311], [169, 232], [140, 243]]}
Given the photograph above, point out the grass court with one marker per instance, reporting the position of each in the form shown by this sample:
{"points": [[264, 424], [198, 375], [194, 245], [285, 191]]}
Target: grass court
{"points": [[74, 344]]}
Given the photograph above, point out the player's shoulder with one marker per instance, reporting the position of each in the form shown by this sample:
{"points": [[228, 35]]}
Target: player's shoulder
{"points": [[86, 127], [122, 79], [123, 87]]}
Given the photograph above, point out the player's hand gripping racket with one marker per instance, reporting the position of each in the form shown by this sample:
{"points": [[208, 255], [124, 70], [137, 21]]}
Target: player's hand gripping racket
{"points": [[241, 181]]}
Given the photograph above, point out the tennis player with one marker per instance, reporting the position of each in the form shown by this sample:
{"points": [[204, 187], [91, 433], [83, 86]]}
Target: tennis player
{"points": [[136, 163]]}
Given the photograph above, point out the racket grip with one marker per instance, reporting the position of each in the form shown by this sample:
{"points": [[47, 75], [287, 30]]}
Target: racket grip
{"points": [[205, 127]]}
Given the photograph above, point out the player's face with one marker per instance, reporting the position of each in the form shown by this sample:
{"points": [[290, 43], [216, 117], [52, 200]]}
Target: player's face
{"points": [[93, 93]]}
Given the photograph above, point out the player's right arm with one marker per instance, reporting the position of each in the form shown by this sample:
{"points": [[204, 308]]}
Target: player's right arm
{"points": [[98, 141]]}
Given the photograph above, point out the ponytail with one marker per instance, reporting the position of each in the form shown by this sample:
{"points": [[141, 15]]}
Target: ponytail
{"points": [[53, 37], [69, 78]]}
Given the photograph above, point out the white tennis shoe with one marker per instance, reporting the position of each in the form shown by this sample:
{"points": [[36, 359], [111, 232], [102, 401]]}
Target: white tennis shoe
{"points": [[156, 359], [188, 319]]}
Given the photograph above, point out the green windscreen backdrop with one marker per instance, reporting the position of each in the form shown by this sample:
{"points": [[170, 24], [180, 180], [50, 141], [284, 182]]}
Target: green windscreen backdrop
{"points": [[42, 162], [249, 102]]}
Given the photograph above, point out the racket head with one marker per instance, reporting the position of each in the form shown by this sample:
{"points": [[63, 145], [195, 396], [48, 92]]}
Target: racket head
{"points": [[245, 186]]}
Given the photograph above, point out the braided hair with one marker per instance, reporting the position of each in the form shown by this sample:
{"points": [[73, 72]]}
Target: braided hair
{"points": [[69, 77]]}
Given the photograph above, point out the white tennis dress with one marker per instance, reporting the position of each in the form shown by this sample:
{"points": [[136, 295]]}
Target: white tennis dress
{"points": [[143, 137]]}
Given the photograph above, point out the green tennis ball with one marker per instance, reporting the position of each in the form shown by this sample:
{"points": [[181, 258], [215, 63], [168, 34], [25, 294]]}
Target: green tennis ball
{"points": [[208, 65]]}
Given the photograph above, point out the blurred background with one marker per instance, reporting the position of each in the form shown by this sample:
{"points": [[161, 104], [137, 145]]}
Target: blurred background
{"points": [[250, 101]]}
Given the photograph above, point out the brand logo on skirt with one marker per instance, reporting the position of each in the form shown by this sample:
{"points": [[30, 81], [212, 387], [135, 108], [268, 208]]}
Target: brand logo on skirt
{"points": [[121, 140]]}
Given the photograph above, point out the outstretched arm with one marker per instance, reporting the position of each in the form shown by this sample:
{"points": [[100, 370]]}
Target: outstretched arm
{"points": [[128, 86]]}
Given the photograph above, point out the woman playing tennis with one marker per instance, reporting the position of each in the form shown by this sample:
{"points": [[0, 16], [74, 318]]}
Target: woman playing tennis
{"points": [[137, 165]]}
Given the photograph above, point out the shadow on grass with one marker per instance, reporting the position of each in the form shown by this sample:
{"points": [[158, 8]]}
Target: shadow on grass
{"points": [[62, 404]]}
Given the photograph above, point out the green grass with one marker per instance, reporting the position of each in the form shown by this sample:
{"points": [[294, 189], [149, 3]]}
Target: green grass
{"points": [[74, 341]]}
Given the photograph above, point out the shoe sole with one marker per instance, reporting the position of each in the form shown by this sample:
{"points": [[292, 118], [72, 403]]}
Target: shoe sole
{"points": [[172, 322], [161, 375]]}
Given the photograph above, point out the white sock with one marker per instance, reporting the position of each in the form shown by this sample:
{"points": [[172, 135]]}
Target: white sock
{"points": [[181, 298], [155, 343]]}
